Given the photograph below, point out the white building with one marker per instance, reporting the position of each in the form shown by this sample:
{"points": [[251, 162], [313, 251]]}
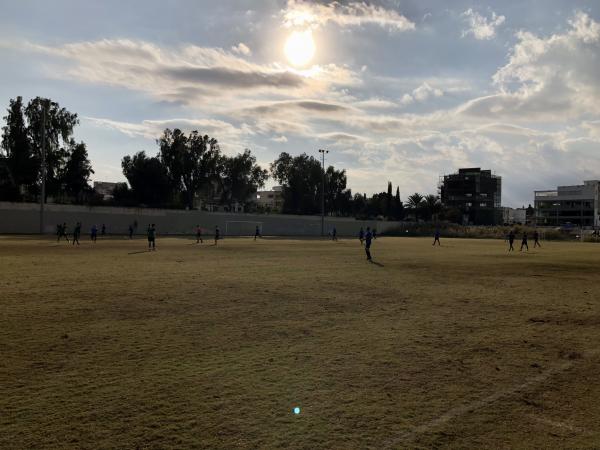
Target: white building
{"points": [[271, 200], [577, 205], [105, 188], [513, 216]]}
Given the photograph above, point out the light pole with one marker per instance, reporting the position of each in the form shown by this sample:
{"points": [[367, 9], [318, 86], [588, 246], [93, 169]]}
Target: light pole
{"points": [[43, 196], [556, 205], [323, 193]]}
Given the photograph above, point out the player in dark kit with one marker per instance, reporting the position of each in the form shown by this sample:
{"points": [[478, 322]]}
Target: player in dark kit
{"points": [[63, 232], [361, 235], [257, 232], [368, 237], [94, 233], [151, 237], [76, 233], [217, 234], [334, 234], [103, 230], [511, 241], [524, 242], [436, 237], [199, 235], [130, 231], [536, 239]]}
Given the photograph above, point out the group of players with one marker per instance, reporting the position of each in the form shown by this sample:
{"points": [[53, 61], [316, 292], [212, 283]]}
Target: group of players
{"points": [[365, 237]]}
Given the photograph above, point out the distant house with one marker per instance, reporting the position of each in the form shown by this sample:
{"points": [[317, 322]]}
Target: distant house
{"points": [[475, 193], [513, 216], [577, 205], [105, 188], [270, 200]]}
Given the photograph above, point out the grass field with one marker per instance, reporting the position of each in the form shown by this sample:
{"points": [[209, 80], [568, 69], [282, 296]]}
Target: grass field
{"points": [[197, 346]]}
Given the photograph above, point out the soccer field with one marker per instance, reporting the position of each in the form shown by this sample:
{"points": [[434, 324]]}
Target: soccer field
{"points": [[197, 346]]}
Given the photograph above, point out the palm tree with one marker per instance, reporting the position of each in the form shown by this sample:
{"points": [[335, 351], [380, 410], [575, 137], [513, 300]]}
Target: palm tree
{"points": [[432, 205], [415, 203]]}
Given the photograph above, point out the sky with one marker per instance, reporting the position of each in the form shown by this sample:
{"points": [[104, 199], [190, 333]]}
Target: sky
{"points": [[396, 90]]}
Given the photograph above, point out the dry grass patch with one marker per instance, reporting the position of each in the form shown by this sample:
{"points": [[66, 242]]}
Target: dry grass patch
{"points": [[196, 346]]}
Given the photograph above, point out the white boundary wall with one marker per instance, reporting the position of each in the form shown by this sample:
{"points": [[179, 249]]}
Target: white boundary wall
{"points": [[24, 218]]}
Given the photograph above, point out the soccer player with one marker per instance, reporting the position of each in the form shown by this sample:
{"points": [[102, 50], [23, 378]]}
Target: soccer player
{"points": [[536, 239], [58, 231], [63, 232], [199, 235], [374, 233], [511, 240], [257, 232], [524, 242], [217, 234], [368, 237], [94, 233], [130, 231], [151, 237], [76, 233], [361, 235], [103, 230], [334, 234], [436, 237]]}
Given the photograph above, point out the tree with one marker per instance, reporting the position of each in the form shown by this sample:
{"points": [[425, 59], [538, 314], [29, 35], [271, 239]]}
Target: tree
{"points": [[241, 177], [78, 169], [398, 206], [432, 206], [359, 205], [148, 178], [337, 197], [191, 161], [20, 166], [58, 130], [389, 201], [300, 178], [414, 203]]}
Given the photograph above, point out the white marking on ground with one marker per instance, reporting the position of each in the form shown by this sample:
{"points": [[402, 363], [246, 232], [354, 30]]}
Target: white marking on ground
{"points": [[478, 404]]}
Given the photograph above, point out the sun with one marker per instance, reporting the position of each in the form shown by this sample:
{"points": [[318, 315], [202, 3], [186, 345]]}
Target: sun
{"points": [[300, 48]]}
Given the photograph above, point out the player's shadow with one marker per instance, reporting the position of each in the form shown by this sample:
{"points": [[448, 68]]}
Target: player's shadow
{"points": [[378, 264], [139, 251]]}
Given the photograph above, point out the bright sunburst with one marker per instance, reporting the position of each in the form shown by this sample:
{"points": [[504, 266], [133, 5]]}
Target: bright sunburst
{"points": [[300, 48]]}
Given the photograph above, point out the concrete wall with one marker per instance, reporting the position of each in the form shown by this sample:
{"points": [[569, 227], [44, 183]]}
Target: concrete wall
{"points": [[24, 218]]}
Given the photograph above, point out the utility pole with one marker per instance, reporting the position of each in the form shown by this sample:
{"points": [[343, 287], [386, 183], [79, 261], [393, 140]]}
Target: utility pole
{"points": [[323, 194], [43, 196]]}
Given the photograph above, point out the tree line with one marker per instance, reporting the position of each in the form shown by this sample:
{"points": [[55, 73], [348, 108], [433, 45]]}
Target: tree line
{"points": [[188, 169]]}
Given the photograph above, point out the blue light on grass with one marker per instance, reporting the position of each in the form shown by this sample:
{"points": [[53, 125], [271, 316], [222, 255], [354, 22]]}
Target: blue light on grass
{"points": [[296, 410]]}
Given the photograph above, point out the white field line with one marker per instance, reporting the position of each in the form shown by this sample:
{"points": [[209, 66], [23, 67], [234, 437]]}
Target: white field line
{"points": [[556, 424], [478, 404]]}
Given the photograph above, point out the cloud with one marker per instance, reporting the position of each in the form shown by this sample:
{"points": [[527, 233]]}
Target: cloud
{"points": [[300, 13], [302, 106], [241, 49], [340, 137], [184, 75], [480, 26], [280, 139], [181, 74], [547, 78], [228, 135], [421, 94]]}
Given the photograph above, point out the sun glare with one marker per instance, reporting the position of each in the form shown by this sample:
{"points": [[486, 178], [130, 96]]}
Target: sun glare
{"points": [[300, 48]]}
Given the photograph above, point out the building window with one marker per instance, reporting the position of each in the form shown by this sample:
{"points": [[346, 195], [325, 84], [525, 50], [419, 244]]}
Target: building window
{"points": [[469, 204], [469, 194], [483, 204]]}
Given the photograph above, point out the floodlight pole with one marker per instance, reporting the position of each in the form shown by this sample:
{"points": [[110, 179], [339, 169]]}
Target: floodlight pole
{"points": [[323, 193], [43, 195]]}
